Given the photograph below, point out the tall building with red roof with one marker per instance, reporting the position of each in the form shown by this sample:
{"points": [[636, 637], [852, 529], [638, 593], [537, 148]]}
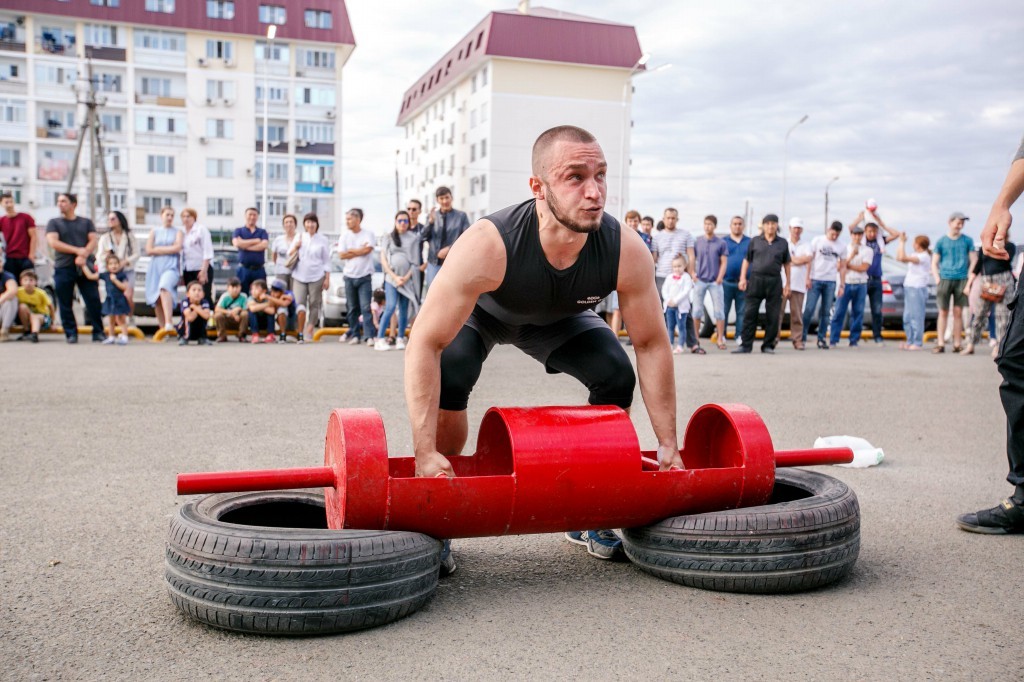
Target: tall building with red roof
{"points": [[469, 122]]}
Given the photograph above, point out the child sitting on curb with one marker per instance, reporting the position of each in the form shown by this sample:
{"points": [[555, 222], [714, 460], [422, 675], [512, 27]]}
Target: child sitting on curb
{"points": [[261, 312], [195, 314], [35, 309]]}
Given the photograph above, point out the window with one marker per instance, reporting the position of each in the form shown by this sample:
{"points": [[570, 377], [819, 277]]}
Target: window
{"points": [[101, 35], [158, 87], [9, 72], [276, 206], [165, 6], [153, 204], [10, 158], [483, 184], [56, 40], [55, 75], [220, 128], [473, 88], [220, 9], [278, 94], [220, 49], [160, 40], [275, 133], [216, 89], [118, 200], [105, 3], [220, 206], [156, 163], [58, 118], [276, 171], [313, 173], [317, 18], [314, 132], [323, 97], [483, 112], [272, 14], [220, 168], [483, 148], [317, 59], [472, 153], [483, 76], [160, 125], [111, 160], [110, 82], [111, 123], [275, 52], [472, 119]]}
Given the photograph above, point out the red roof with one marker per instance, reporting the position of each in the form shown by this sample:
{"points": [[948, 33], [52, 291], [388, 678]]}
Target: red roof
{"points": [[191, 15], [543, 34]]}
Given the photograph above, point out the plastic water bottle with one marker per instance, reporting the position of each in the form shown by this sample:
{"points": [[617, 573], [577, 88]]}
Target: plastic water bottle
{"points": [[864, 453]]}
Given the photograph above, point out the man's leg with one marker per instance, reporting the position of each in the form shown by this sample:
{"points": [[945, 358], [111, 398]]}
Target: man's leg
{"points": [[875, 298], [365, 287], [697, 310], [772, 311], [828, 297], [461, 362], [729, 290], [741, 306], [858, 296], [352, 304], [751, 306], [90, 292], [718, 310], [958, 325], [64, 287], [810, 305], [796, 317], [839, 316]]}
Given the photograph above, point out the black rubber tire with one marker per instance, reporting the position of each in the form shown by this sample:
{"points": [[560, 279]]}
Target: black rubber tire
{"points": [[806, 537], [265, 563]]}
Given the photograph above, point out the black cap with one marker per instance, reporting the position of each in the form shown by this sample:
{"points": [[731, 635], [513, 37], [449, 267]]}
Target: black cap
{"points": [[770, 218], [836, 225]]}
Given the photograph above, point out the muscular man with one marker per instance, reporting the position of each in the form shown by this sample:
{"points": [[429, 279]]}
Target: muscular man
{"points": [[1008, 515], [529, 275]]}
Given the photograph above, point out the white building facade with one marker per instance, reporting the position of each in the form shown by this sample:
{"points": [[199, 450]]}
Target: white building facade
{"points": [[181, 87], [470, 122]]}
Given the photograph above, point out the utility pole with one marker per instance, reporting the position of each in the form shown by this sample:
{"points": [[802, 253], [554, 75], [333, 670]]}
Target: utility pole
{"points": [[91, 127]]}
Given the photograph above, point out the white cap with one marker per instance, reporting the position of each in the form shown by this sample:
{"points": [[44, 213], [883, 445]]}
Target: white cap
{"points": [[796, 222]]}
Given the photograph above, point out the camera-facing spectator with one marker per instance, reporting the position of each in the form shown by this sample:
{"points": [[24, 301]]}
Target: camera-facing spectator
{"points": [[251, 242], [164, 270], [196, 253], [400, 261], [74, 239], [283, 301], [20, 237], [120, 240], [261, 313], [115, 306], [311, 275], [232, 313], [34, 307], [915, 288], [195, 316], [280, 251], [675, 297]]}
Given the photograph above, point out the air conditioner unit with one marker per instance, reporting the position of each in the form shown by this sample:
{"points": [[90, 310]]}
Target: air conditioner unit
{"points": [[301, 143], [299, 74], [210, 101], [16, 180], [229, 63], [298, 208], [327, 183], [203, 62], [229, 102], [203, 140], [32, 203], [330, 113], [248, 172]]}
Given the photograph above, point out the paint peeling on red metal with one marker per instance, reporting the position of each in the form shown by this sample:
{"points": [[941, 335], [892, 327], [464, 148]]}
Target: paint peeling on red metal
{"points": [[545, 36], [190, 15]]}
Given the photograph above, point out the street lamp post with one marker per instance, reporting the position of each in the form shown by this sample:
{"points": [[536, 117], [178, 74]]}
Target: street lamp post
{"points": [[271, 34], [637, 69], [785, 161], [826, 200]]}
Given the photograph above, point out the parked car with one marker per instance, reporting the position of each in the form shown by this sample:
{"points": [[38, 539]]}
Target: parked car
{"points": [[225, 263], [335, 306]]}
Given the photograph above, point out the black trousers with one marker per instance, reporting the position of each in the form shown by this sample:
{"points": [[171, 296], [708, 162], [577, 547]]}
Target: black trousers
{"points": [[875, 301], [767, 289], [1011, 366], [192, 275]]}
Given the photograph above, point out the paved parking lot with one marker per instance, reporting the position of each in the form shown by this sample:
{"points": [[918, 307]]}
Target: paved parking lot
{"points": [[92, 438]]}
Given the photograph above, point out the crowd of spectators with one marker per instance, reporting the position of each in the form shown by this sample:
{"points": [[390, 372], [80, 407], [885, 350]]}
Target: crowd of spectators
{"points": [[825, 281]]}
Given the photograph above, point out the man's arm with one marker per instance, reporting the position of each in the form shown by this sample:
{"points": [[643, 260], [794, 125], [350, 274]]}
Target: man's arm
{"points": [[993, 236], [743, 275], [893, 234], [642, 314], [476, 266], [10, 291], [53, 239], [857, 221], [935, 266], [33, 242], [691, 263], [723, 263], [789, 284]]}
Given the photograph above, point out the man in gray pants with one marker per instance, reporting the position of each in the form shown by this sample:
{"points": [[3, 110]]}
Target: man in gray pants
{"points": [[1008, 515]]}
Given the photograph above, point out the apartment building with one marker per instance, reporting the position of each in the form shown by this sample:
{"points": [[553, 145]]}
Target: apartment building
{"points": [[181, 86], [470, 121]]}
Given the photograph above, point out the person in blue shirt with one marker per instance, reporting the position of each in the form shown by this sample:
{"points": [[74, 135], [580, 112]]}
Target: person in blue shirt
{"points": [[251, 242], [876, 244], [287, 311], [737, 244], [952, 259]]}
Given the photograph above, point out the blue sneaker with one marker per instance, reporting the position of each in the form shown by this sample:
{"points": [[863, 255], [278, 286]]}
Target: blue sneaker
{"points": [[447, 560], [602, 544], [577, 536]]}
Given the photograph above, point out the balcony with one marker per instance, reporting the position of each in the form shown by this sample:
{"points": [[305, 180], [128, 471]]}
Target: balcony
{"points": [[160, 139], [13, 86], [112, 54], [315, 148], [160, 101], [48, 44], [12, 45], [275, 147], [56, 133]]}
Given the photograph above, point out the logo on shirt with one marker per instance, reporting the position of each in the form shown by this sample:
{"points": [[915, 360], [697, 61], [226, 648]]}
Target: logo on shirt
{"points": [[590, 300]]}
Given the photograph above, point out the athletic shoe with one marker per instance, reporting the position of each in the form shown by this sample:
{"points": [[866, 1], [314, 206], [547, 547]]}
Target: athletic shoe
{"points": [[354, 341], [222, 339], [447, 560], [299, 340], [283, 338], [1005, 518], [109, 341], [122, 340], [381, 344], [72, 339], [678, 350], [270, 338], [99, 338], [768, 349], [204, 342], [603, 544], [370, 342], [5, 335], [255, 338], [742, 350], [183, 341], [578, 537], [24, 337], [400, 343], [34, 337]]}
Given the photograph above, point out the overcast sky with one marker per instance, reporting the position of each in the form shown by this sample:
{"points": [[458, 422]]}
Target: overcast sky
{"points": [[918, 105]]}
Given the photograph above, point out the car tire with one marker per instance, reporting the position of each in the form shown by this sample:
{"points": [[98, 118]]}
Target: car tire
{"points": [[265, 563], [807, 536], [707, 327]]}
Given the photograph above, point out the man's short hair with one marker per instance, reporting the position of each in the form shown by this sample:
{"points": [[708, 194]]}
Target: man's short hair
{"points": [[195, 283], [71, 197], [670, 210], [357, 212], [234, 282], [26, 274], [630, 215], [442, 191], [262, 283], [253, 208], [739, 218], [648, 219], [552, 135], [867, 225], [6, 195], [419, 204], [713, 219]]}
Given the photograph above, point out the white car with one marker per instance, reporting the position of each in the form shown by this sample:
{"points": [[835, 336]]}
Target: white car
{"points": [[335, 306]]}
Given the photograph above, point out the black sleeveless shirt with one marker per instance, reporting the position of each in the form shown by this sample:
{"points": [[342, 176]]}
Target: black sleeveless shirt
{"points": [[533, 292]]}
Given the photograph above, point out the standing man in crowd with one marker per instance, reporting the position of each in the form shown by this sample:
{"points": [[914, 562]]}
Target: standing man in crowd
{"points": [[19, 231], [444, 226], [74, 238], [669, 243], [828, 261], [251, 242], [355, 247], [952, 260], [712, 261], [761, 278], [1008, 515], [877, 246], [414, 208], [736, 244], [800, 255]]}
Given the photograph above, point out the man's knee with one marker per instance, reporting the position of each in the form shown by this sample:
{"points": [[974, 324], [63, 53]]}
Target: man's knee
{"points": [[613, 380], [461, 363]]}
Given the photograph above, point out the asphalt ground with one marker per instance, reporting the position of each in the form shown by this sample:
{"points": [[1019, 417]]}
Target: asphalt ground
{"points": [[93, 436]]}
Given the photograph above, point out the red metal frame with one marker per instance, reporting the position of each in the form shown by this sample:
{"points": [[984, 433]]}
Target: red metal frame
{"points": [[535, 470]]}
